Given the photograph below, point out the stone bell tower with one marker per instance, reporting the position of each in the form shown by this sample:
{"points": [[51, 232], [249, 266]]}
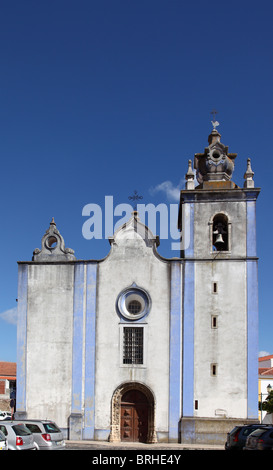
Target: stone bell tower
{"points": [[217, 219]]}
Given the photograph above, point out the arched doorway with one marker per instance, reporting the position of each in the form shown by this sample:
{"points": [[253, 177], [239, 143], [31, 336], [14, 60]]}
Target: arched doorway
{"points": [[133, 414]]}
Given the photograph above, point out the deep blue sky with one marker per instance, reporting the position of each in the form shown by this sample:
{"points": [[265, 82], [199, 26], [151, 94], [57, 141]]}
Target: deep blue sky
{"points": [[104, 97]]}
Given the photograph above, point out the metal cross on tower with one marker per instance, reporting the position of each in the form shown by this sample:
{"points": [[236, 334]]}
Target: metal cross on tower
{"points": [[214, 122]]}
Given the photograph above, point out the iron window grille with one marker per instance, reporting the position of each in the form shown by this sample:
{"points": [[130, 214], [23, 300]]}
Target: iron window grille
{"points": [[132, 345]]}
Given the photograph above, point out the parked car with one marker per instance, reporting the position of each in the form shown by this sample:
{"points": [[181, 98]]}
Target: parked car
{"points": [[47, 434], [260, 439], [236, 438], [4, 415], [18, 435], [3, 442]]}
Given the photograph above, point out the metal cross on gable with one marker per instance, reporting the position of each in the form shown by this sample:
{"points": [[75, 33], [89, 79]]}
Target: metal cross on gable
{"points": [[135, 197]]}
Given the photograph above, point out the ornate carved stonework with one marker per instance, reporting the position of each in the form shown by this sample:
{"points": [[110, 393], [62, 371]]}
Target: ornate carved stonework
{"points": [[215, 164], [116, 408], [53, 247]]}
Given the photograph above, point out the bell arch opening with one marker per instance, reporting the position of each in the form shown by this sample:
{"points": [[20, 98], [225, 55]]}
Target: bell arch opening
{"points": [[133, 414], [220, 233]]}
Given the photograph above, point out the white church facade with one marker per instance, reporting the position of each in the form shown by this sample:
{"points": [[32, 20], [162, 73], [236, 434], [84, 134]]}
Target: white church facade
{"points": [[137, 347]]}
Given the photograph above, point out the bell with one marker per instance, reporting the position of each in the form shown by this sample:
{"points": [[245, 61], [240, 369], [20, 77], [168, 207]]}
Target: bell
{"points": [[219, 240]]}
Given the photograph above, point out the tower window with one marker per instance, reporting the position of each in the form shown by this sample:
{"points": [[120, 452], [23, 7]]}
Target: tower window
{"points": [[214, 321], [215, 287], [220, 233], [132, 345], [214, 370]]}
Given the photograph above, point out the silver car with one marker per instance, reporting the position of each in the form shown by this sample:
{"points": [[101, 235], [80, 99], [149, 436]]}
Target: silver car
{"points": [[47, 434], [18, 435], [3, 442]]}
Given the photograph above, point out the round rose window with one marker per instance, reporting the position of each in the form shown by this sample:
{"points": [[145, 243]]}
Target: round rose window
{"points": [[133, 303]]}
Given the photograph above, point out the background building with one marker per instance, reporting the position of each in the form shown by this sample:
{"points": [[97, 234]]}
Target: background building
{"points": [[265, 384], [7, 386]]}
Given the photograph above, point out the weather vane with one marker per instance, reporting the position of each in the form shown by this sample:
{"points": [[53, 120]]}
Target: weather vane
{"points": [[214, 122], [135, 197]]}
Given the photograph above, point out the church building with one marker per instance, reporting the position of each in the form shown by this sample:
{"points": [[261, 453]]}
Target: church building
{"points": [[137, 347]]}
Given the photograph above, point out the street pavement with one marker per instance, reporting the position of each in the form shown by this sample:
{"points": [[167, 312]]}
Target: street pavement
{"points": [[137, 446]]}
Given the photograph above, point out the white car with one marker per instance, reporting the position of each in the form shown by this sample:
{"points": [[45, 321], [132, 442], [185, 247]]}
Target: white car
{"points": [[47, 435], [17, 435], [4, 415]]}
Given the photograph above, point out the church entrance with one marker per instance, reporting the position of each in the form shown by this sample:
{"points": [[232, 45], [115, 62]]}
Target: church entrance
{"points": [[134, 416]]}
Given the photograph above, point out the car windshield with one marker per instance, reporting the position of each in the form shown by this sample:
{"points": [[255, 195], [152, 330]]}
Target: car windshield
{"points": [[21, 430], [51, 427]]}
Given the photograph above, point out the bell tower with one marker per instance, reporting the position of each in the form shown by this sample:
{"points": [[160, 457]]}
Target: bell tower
{"points": [[217, 219]]}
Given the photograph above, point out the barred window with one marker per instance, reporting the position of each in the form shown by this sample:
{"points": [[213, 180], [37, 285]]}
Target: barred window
{"points": [[132, 345]]}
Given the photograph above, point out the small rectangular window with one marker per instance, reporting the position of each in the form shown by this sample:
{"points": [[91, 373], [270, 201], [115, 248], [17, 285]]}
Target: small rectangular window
{"points": [[196, 404], [213, 370], [132, 345], [215, 287], [214, 321]]}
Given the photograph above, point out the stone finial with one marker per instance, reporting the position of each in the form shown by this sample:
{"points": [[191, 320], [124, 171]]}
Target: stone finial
{"points": [[53, 246], [216, 164], [190, 177], [249, 182], [214, 137]]}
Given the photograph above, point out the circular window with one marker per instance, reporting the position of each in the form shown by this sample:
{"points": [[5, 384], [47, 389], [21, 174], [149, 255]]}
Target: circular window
{"points": [[133, 303], [134, 307], [51, 242], [216, 155]]}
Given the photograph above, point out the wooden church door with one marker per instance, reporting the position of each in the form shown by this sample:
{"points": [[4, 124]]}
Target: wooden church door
{"points": [[134, 417]]}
